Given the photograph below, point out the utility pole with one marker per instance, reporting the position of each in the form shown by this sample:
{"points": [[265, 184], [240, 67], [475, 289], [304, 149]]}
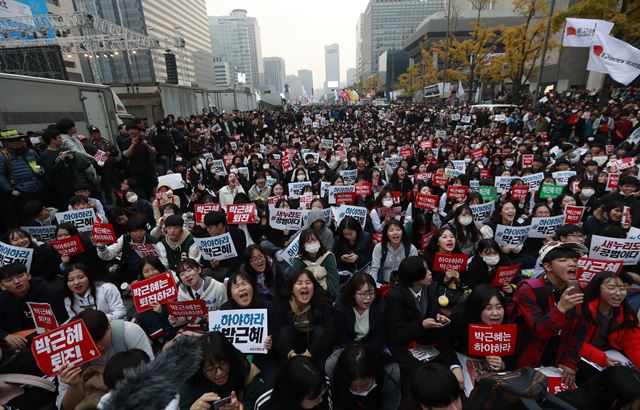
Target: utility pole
{"points": [[544, 55], [446, 47]]}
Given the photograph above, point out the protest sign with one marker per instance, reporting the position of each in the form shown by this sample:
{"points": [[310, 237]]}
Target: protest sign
{"points": [[390, 212], [296, 188], [492, 340], [477, 153], [466, 119], [406, 152], [173, 181], [273, 200], [68, 345], [482, 212], [612, 182], [335, 190], [219, 247], [455, 117], [533, 181], [218, 167], [363, 188], [488, 193], [201, 210], [450, 261], [393, 162], [460, 165], [103, 233], [485, 173], [519, 192], [326, 143], [603, 247], [505, 274], [457, 192], [623, 163], [241, 214], [440, 179], [289, 219], [289, 253], [503, 184], [452, 172], [500, 118], [349, 176], [246, 329], [306, 199], [157, 289], [144, 249], [101, 157], [441, 134], [82, 219], [425, 144], [511, 236], [634, 233], [626, 216], [68, 246], [474, 184], [550, 191], [601, 159], [562, 177], [554, 380], [573, 214], [588, 267], [41, 233], [43, 316], [13, 254], [188, 308], [527, 160], [357, 212], [545, 226], [426, 201]]}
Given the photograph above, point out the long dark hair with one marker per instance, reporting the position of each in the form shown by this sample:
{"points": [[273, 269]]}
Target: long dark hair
{"points": [[93, 279], [358, 362], [304, 237], [357, 281], [269, 274], [153, 261], [462, 232], [6, 238], [477, 300], [217, 348], [299, 377], [433, 243], [592, 292], [255, 300], [385, 231]]}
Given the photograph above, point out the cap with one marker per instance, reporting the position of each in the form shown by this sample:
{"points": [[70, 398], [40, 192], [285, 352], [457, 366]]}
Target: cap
{"points": [[9, 135], [93, 129], [577, 247], [174, 220]]}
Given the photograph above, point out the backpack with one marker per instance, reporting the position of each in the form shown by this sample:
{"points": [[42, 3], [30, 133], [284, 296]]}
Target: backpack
{"points": [[319, 271], [385, 250], [525, 388]]}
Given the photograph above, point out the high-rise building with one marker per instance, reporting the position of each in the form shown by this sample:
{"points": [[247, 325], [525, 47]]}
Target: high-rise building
{"points": [[274, 73], [384, 25], [236, 38], [332, 66], [295, 87], [351, 76], [222, 72], [189, 21], [306, 77]]}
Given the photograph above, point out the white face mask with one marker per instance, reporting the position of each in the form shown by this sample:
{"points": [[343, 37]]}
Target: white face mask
{"points": [[312, 247], [387, 203], [132, 198], [265, 166], [467, 160], [465, 220], [233, 170], [169, 193], [322, 171], [491, 260], [364, 393], [300, 177], [587, 192], [508, 163]]}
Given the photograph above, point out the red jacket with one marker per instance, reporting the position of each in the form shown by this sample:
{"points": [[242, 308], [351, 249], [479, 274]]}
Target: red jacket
{"points": [[626, 340]]}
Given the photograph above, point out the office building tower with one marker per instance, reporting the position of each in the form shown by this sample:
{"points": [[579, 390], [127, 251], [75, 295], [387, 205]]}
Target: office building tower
{"points": [[332, 66], [274, 73]]}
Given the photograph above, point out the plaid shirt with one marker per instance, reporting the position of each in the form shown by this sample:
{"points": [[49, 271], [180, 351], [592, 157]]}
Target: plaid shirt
{"points": [[537, 326]]}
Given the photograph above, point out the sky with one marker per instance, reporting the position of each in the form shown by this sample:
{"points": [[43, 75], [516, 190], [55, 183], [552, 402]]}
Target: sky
{"points": [[298, 30]]}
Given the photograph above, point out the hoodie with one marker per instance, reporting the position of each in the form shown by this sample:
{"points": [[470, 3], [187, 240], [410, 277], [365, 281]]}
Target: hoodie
{"points": [[325, 234]]}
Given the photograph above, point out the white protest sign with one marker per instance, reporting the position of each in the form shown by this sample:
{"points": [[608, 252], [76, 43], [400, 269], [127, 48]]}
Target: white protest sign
{"points": [[482, 212], [296, 188], [173, 181], [219, 247], [533, 181], [634, 138], [543, 227], [562, 177], [219, 168], [290, 252], [455, 117], [634, 233], [393, 162], [41, 233], [101, 157], [326, 213], [246, 329], [326, 143], [452, 172], [465, 119], [500, 117], [281, 219], [441, 134], [82, 219], [503, 184], [13, 254], [349, 176], [603, 247], [511, 236], [357, 212], [324, 188], [333, 190], [460, 165]]}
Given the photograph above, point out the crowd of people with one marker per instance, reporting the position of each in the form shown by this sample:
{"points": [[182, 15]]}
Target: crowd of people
{"points": [[362, 311]]}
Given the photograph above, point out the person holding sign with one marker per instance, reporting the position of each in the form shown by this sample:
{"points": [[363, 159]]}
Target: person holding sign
{"points": [[484, 265], [224, 372], [228, 192], [313, 256], [383, 206], [84, 290], [45, 261], [609, 213], [611, 323], [216, 224], [444, 244], [388, 254], [467, 232]]}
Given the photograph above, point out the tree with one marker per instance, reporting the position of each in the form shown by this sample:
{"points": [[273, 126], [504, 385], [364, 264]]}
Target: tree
{"points": [[419, 75], [479, 48]]}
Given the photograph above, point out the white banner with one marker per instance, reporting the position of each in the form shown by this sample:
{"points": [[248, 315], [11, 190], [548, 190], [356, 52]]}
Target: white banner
{"points": [[13, 254], [333, 190], [511, 236], [41, 233], [543, 227], [503, 184], [357, 212], [246, 329], [615, 57], [580, 32], [219, 247], [219, 168], [82, 219], [349, 176], [290, 252], [296, 188], [562, 177], [533, 181], [603, 247], [482, 212], [282, 219]]}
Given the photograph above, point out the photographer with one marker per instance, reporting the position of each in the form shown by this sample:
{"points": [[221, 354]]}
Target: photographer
{"points": [[140, 155]]}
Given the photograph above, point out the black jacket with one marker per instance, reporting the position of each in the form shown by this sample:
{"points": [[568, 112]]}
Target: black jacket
{"points": [[363, 248], [404, 320], [346, 320]]}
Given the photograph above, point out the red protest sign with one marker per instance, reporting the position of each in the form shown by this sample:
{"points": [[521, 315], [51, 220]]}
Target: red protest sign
{"points": [[426, 201], [425, 144], [519, 192], [69, 344], [485, 173], [555, 385], [344, 198], [362, 188], [450, 261], [160, 288], [406, 152], [144, 249], [188, 308], [241, 214], [390, 212], [457, 192], [423, 176], [67, 247], [273, 200], [440, 179], [286, 163], [477, 153], [103, 233], [588, 267], [43, 316], [424, 239], [101, 157], [626, 216], [396, 197], [612, 182], [527, 160], [505, 274], [228, 159], [492, 340], [201, 210], [573, 214]]}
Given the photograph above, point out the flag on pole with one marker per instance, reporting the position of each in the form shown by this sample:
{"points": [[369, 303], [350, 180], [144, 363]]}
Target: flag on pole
{"points": [[460, 89], [581, 32], [614, 57]]}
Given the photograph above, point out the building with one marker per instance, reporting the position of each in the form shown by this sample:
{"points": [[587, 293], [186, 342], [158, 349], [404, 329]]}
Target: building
{"points": [[306, 77], [351, 76], [189, 21], [274, 74], [222, 73], [236, 39], [295, 87], [332, 66], [391, 64], [385, 25]]}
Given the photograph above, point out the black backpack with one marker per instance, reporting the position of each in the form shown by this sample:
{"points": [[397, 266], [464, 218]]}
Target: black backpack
{"points": [[525, 388]]}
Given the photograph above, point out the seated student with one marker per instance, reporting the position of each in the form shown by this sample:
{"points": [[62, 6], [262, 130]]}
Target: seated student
{"points": [[363, 377], [303, 322], [110, 338], [299, 384], [114, 371], [552, 327], [485, 264], [360, 313], [82, 189], [83, 289], [225, 372], [317, 223], [388, 254], [89, 257], [611, 323], [216, 223], [178, 244], [313, 256], [265, 272], [616, 387], [353, 246], [45, 262], [18, 288], [129, 262], [21, 361], [449, 283], [433, 387], [40, 215]]}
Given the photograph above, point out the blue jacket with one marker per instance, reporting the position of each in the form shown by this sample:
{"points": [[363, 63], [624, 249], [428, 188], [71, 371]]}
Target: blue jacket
{"points": [[17, 174]]}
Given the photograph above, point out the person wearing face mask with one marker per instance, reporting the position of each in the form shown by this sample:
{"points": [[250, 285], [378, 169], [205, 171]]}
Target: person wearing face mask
{"points": [[317, 259], [383, 209], [467, 232], [586, 197], [363, 377], [164, 196], [484, 264]]}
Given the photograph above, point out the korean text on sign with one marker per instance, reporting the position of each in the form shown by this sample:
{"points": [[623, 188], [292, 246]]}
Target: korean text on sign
{"points": [[505, 274], [615, 248], [187, 308], [201, 210], [492, 340], [241, 214], [219, 247], [70, 344], [13, 254], [43, 316], [245, 328], [82, 219], [157, 289], [588, 267], [454, 261]]}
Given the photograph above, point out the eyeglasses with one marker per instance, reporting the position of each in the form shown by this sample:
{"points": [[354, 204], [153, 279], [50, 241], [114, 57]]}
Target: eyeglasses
{"points": [[366, 295], [214, 369], [616, 289], [577, 235], [257, 258]]}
